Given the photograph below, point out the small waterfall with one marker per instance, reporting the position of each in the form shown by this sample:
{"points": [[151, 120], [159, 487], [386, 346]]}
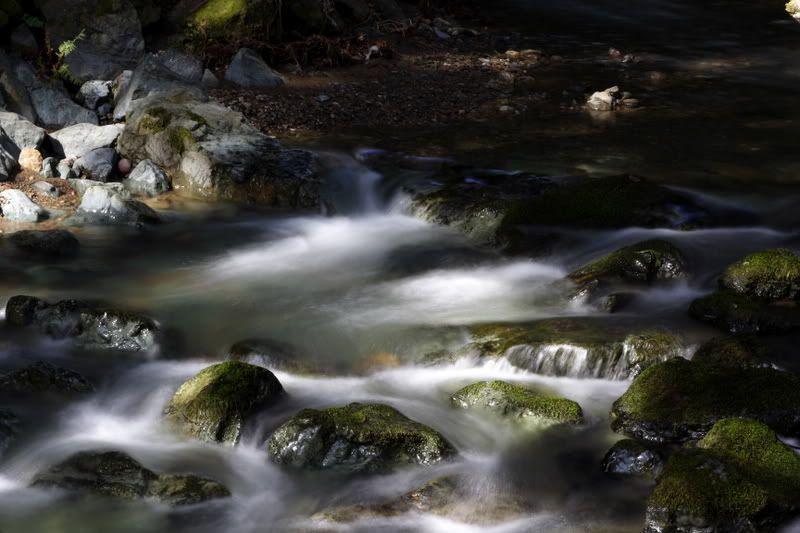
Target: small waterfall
{"points": [[350, 188]]}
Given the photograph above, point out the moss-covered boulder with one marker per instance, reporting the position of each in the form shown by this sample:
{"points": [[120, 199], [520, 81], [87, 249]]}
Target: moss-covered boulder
{"points": [[449, 497], [736, 313], [576, 347], [356, 438], [629, 457], [517, 403], [116, 474], [739, 351], [210, 152], [44, 378], [215, 404], [644, 262], [771, 275], [90, 324], [679, 400], [740, 478]]}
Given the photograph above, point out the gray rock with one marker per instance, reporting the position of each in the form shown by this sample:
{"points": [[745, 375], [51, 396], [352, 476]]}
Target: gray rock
{"points": [[64, 169], [98, 164], [102, 205], [210, 152], [16, 96], [82, 185], [88, 324], [147, 179], [182, 65], [22, 132], [94, 93], [209, 81], [247, 69], [121, 84], [8, 162], [80, 139], [632, 458], [154, 76], [47, 189], [48, 243], [117, 475], [16, 206], [113, 40], [50, 168], [56, 109], [23, 42], [43, 377]]}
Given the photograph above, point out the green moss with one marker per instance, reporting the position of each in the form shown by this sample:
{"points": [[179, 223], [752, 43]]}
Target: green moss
{"points": [[678, 400], [736, 351], [769, 275], [235, 18], [737, 313], [197, 118], [758, 453], [213, 404], [643, 262], [180, 139], [496, 339], [155, 120], [693, 483], [611, 202], [518, 402]]}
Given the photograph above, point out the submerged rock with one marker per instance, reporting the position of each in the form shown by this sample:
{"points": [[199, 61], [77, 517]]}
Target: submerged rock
{"points": [[575, 348], [772, 275], [736, 313], [210, 152], [89, 324], [104, 205], [356, 438], [740, 478], [680, 400], [116, 474], [518, 403], [738, 351], [632, 458], [46, 243], [644, 262], [43, 377], [215, 404]]}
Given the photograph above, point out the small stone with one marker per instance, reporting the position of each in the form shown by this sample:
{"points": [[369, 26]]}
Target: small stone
{"points": [[209, 81], [16, 206], [64, 169], [47, 189], [248, 69], [49, 168], [99, 164], [94, 93], [603, 100], [322, 98], [30, 159], [147, 179], [124, 166]]}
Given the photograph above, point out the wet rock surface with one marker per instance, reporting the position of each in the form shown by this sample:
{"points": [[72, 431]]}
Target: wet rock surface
{"points": [[632, 458], [45, 378]]}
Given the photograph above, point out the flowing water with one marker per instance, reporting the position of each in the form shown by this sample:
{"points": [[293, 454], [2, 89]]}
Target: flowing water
{"points": [[371, 279]]}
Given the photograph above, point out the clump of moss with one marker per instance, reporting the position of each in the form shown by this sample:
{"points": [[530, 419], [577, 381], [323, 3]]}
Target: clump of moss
{"points": [[214, 404], [679, 400], [736, 351], [737, 313], [235, 18], [155, 120], [357, 437], [516, 402], [496, 339], [770, 275], [180, 139], [647, 261]]}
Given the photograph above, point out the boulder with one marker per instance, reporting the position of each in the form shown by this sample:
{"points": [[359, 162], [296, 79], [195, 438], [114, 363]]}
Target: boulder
{"points": [[64, 169], [15, 94], [103, 205], [738, 351], [161, 74], [89, 324], [23, 134], [98, 164], [80, 139], [736, 313], [356, 438], [576, 348], [45, 378], [118, 475], [215, 404], [209, 151], [94, 93], [8, 162], [30, 159], [113, 35], [147, 179], [632, 458], [770, 276], [16, 206], [681, 400], [49, 243], [739, 478], [644, 262], [248, 69], [516, 403]]}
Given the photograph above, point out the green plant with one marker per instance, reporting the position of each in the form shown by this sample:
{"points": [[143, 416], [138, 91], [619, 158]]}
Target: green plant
{"points": [[52, 63], [32, 22]]}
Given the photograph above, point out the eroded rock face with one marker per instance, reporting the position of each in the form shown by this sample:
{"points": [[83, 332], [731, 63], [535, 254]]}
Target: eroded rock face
{"points": [[113, 32], [116, 474], [681, 400], [210, 152], [215, 404], [89, 324], [356, 438], [739, 478], [517, 403]]}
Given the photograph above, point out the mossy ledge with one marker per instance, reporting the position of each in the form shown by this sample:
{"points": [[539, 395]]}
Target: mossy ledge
{"points": [[771, 275], [362, 438], [517, 403], [643, 262]]}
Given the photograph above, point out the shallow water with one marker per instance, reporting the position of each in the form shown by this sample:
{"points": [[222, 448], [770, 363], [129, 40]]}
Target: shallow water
{"points": [[370, 279]]}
